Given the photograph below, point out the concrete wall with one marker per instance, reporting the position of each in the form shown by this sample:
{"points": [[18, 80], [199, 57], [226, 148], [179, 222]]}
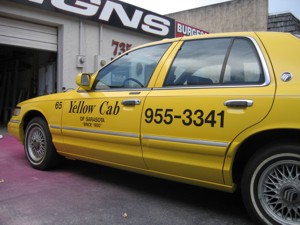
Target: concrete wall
{"points": [[236, 15]]}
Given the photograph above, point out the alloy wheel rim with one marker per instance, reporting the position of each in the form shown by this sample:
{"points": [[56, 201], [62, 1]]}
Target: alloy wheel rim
{"points": [[279, 191], [36, 144]]}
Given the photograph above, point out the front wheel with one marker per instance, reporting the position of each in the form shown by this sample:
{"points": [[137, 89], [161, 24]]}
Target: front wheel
{"points": [[38, 145], [271, 185]]}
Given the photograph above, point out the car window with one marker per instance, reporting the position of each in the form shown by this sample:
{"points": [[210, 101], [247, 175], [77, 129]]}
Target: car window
{"points": [[132, 70], [199, 62], [220, 61], [243, 65]]}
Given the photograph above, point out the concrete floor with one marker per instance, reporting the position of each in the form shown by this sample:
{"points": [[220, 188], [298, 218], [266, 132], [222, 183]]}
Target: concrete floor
{"points": [[82, 193]]}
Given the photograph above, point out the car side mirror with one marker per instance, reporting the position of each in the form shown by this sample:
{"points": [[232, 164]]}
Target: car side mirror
{"points": [[83, 80]]}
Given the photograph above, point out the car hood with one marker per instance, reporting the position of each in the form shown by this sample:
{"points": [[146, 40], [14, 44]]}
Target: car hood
{"points": [[50, 97]]}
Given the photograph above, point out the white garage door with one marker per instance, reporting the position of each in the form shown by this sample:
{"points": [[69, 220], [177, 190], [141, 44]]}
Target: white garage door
{"points": [[25, 34]]}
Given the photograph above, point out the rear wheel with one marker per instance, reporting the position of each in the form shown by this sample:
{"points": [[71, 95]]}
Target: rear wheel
{"points": [[39, 148], [271, 185]]}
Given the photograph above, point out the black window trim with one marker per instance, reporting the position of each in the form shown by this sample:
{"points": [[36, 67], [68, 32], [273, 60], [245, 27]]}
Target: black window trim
{"points": [[221, 80]]}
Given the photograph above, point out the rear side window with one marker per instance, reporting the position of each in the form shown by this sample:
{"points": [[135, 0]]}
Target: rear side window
{"points": [[219, 61], [132, 70], [243, 65]]}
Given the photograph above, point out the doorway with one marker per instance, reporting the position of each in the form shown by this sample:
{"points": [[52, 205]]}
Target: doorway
{"points": [[24, 73]]}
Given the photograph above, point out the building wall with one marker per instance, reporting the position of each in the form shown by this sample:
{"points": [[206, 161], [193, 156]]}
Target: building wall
{"points": [[76, 37], [93, 42], [236, 15]]}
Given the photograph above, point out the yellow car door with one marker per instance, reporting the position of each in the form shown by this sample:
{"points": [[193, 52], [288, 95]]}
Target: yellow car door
{"points": [[213, 90], [103, 123]]}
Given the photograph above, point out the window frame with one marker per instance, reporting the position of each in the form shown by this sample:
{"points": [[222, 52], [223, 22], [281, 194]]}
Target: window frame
{"points": [[258, 54]]}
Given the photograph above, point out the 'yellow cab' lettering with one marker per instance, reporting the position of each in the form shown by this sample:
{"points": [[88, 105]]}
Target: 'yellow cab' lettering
{"points": [[106, 108], [81, 107]]}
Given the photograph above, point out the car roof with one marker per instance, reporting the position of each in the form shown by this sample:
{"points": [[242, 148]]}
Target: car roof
{"points": [[217, 35]]}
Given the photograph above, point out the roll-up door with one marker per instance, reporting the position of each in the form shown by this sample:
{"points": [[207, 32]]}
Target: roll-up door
{"points": [[25, 34]]}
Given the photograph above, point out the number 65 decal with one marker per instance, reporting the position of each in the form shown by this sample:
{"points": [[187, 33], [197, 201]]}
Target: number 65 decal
{"points": [[58, 105]]}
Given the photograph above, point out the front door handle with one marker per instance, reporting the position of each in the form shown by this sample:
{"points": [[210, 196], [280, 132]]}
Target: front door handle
{"points": [[132, 102], [238, 103]]}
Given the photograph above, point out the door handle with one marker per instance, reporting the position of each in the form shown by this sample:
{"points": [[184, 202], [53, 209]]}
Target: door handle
{"points": [[238, 103], [132, 102]]}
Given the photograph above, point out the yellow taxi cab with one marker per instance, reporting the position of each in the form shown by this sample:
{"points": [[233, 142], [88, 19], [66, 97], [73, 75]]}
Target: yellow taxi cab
{"points": [[220, 111]]}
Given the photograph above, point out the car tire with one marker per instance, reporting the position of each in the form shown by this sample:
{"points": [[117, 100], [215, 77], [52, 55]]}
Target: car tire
{"points": [[271, 185], [39, 149]]}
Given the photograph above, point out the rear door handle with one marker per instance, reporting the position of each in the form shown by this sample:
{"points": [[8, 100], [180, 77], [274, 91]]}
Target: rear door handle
{"points": [[132, 102], [238, 103]]}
